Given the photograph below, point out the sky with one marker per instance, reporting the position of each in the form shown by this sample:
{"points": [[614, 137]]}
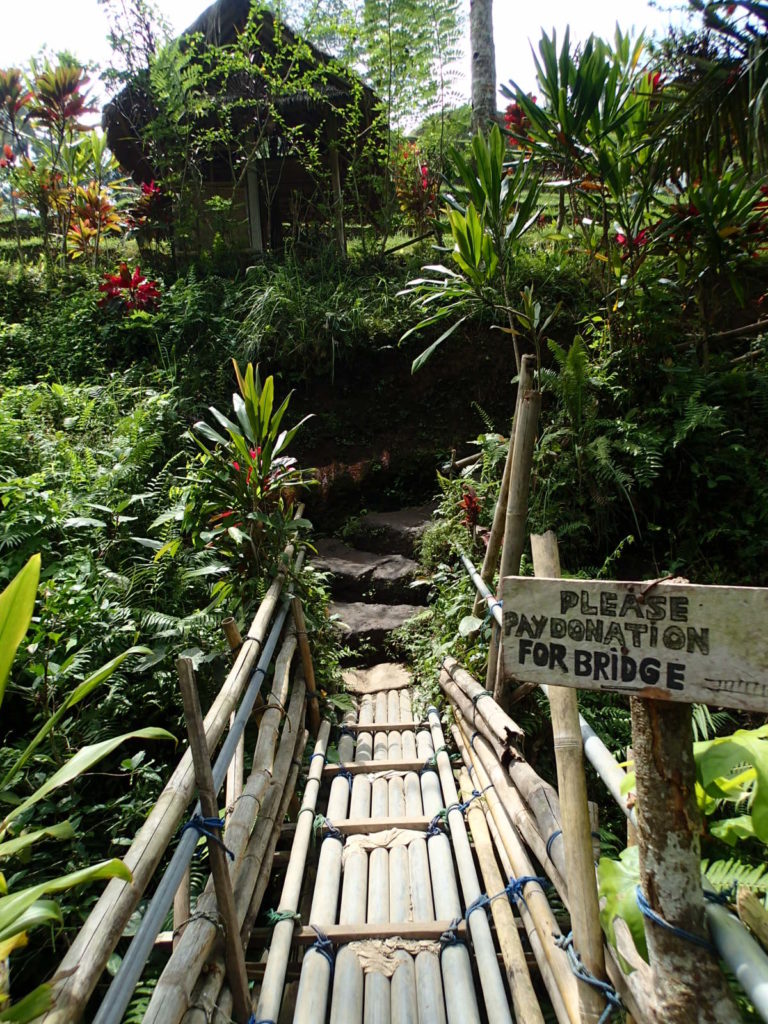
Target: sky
{"points": [[81, 27]]}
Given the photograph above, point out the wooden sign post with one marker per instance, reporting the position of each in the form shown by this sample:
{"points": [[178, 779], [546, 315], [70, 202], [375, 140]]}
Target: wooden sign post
{"points": [[663, 641]]}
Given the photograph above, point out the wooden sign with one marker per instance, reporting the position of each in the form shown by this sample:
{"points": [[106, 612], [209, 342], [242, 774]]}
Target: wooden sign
{"points": [[666, 641]]}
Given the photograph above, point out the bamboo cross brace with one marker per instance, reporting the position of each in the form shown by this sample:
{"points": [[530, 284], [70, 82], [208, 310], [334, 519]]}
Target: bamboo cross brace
{"points": [[236, 973]]}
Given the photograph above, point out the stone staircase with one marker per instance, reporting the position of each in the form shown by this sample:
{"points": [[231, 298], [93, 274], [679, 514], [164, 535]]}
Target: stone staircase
{"points": [[374, 577]]}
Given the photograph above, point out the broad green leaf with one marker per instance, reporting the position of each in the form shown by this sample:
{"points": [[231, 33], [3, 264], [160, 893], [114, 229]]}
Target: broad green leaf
{"points": [[724, 766], [30, 1007], [79, 693], [419, 361], [733, 830], [617, 882], [84, 759], [469, 625], [17, 602], [15, 905], [12, 847]]}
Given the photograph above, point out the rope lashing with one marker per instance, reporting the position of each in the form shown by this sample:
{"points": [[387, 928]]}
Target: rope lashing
{"points": [[482, 901], [463, 806], [479, 696], [725, 897], [613, 1003], [559, 832], [346, 731], [430, 765], [489, 612], [515, 886], [345, 773], [262, 1020], [276, 916], [433, 828], [432, 710], [204, 827], [323, 945], [647, 911], [318, 753], [472, 740], [322, 823], [450, 936]]}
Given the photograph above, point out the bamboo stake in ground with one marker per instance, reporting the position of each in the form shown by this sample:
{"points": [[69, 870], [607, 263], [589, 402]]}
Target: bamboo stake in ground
{"points": [[313, 709], [238, 979], [574, 812], [689, 987], [517, 505], [524, 1000]]}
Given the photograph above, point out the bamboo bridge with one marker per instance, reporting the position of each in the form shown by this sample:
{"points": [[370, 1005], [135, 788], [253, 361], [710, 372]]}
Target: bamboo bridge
{"points": [[428, 875]]}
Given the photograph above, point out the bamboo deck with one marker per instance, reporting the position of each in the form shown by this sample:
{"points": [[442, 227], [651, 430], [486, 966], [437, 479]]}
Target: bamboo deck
{"points": [[385, 909]]}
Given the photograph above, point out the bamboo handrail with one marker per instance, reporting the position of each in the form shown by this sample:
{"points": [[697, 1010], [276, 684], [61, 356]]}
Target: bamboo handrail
{"points": [[84, 962]]}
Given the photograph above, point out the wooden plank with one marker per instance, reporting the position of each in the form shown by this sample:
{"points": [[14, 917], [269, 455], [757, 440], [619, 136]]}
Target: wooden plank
{"points": [[387, 727], [663, 641], [339, 934], [365, 826], [367, 767]]}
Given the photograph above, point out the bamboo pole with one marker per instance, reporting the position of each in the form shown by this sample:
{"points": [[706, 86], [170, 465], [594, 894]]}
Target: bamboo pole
{"points": [[503, 727], [238, 980], [313, 708], [460, 997], [524, 1000], [255, 871], [496, 536], [274, 975], [517, 506], [535, 910], [555, 996], [170, 998], [574, 812], [81, 967], [494, 995]]}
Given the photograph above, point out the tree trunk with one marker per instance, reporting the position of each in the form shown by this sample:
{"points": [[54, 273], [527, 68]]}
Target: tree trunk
{"points": [[483, 64], [689, 986]]}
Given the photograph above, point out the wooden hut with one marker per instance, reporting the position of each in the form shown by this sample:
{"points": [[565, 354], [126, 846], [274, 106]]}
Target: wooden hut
{"points": [[300, 121]]}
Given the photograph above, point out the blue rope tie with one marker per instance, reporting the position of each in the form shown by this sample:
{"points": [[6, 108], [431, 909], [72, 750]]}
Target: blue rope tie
{"points": [[515, 886], [204, 826], [482, 901], [321, 822], [613, 1003], [489, 612], [346, 731], [345, 773], [263, 1020], [559, 832], [276, 916], [450, 936], [647, 911], [472, 740], [317, 753], [432, 710], [724, 897], [323, 946], [433, 828], [479, 696]]}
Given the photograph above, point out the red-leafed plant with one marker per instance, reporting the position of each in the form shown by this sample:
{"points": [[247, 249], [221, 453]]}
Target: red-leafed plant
{"points": [[131, 289]]}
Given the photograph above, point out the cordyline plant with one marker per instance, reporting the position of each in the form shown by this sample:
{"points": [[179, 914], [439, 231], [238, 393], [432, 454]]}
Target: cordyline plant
{"points": [[248, 482], [130, 289]]}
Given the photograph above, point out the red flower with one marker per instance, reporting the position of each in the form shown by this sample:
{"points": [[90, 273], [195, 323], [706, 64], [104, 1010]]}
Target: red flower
{"points": [[470, 506], [135, 291]]}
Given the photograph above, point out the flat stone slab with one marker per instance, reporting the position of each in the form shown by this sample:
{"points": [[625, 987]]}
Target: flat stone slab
{"points": [[395, 532], [362, 623], [364, 574], [387, 675]]}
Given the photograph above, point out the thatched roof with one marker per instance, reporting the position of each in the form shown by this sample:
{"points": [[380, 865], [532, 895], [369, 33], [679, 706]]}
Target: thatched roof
{"points": [[126, 117]]}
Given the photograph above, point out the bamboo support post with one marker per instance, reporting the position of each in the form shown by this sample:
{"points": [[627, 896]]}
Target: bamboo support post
{"points": [[496, 536], [85, 960], [254, 875], [517, 506], [576, 828], [494, 995], [238, 980], [524, 1000], [313, 708], [274, 975]]}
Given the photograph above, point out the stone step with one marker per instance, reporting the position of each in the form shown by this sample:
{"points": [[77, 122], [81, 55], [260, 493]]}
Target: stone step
{"points": [[386, 675], [368, 625], [391, 532], [359, 574]]}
